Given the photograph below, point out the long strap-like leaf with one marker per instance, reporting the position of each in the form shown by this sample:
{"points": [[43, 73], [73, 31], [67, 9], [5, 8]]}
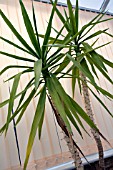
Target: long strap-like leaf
{"points": [[12, 98], [29, 29], [16, 57], [48, 30], [18, 36], [57, 102], [35, 124]]}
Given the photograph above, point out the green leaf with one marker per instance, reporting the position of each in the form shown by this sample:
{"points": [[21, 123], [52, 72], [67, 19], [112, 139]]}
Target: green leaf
{"points": [[18, 36], [29, 29], [85, 71], [23, 72], [67, 18], [61, 17], [103, 91], [12, 66], [48, 31], [65, 99], [95, 34], [37, 72], [29, 84], [56, 40], [91, 24], [16, 96], [35, 124], [72, 18], [54, 55], [75, 72], [83, 114], [100, 69], [16, 57], [95, 56], [24, 106], [92, 67], [35, 24], [62, 65], [100, 101], [109, 63], [94, 42], [40, 125], [56, 60], [12, 98], [85, 66], [19, 109], [57, 102], [15, 45], [50, 38], [72, 120]]}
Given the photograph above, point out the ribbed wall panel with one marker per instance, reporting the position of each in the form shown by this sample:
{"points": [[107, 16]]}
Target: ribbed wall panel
{"points": [[49, 151]]}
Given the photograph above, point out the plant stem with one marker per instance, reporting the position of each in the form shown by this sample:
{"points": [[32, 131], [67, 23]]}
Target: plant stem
{"points": [[68, 138], [90, 114]]}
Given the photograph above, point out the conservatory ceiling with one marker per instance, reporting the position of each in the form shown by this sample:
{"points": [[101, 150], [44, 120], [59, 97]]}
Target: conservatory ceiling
{"points": [[95, 5]]}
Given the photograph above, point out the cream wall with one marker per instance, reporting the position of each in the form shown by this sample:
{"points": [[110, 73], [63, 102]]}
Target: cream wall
{"points": [[49, 150]]}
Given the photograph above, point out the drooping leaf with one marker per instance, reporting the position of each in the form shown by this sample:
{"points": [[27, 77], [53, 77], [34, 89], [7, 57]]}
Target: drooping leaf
{"points": [[85, 71], [100, 101], [103, 91], [66, 100], [75, 74], [86, 68], [40, 125], [101, 70], [94, 55], [16, 96], [72, 120], [57, 102], [109, 63], [92, 67], [24, 106], [29, 84], [37, 118], [12, 98], [82, 113], [37, 72]]}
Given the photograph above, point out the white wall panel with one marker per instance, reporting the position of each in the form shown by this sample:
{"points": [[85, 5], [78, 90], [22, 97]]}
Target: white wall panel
{"points": [[47, 151]]}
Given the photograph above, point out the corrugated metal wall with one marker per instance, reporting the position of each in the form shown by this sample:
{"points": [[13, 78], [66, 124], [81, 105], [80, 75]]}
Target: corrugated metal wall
{"points": [[49, 151]]}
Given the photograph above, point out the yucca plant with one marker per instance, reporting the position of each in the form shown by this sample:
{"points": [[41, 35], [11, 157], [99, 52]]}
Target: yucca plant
{"points": [[86, 61], [48, 70]]}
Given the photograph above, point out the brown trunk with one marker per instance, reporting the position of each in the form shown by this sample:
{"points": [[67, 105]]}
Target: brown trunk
{"points": [[68, 138], [90, 114]]}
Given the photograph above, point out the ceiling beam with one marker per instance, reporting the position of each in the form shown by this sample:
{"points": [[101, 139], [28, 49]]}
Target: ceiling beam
{"points": [[104, 5]]}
